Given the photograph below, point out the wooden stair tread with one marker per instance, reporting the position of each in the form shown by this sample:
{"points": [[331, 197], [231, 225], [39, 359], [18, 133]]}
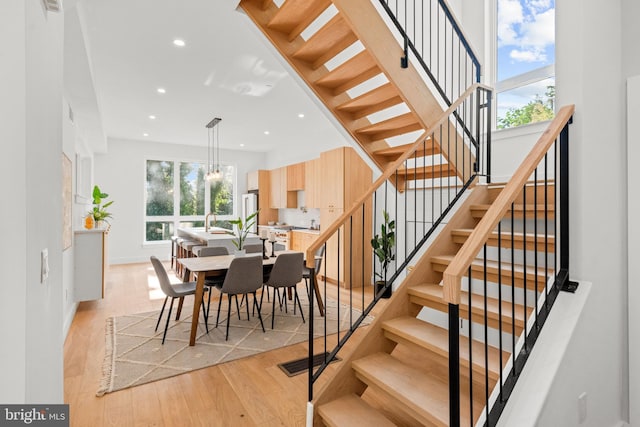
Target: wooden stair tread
{"points": [[461, 235], [441, 262], [351, 411], [427, 172], [436, 339], [398, 150], [296, 15], [351, 73], [433, 292], [327, 42], [375, 100], [426, 396], [479, 210], [389, 128]]}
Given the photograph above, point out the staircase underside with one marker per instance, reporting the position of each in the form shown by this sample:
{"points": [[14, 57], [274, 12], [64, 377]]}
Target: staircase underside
{"points": [[350, 59]]}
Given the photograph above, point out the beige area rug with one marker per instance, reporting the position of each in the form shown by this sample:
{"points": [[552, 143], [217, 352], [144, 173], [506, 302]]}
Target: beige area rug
{"points": [[135, 355]]}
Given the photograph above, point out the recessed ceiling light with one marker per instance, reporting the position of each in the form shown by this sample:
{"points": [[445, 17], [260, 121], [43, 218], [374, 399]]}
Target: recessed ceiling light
{"points": [[152, 117], [145, 134], [301, 115], [241, 145], [179, 42], [161, 90], [266, 132]]}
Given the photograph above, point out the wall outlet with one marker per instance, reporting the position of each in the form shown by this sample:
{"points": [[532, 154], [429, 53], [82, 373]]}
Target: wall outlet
{"points": [[582, 407], [44, 265]]}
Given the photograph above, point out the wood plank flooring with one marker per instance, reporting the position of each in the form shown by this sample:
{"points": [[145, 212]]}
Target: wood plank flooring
{"points": [[246, 392]]}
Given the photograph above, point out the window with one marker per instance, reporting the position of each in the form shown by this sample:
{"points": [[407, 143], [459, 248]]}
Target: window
{"points": [[524, 58], [176, 194]]}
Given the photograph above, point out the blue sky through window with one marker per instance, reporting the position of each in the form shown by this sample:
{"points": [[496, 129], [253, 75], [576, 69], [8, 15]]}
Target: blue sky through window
{"points": [[526, 36]]}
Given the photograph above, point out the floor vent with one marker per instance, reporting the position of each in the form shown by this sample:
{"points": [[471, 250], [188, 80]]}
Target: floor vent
{"points": [[299, 366]]}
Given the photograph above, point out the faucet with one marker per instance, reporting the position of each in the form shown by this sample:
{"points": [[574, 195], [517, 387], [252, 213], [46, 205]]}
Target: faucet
{"points": [[206, 221]]}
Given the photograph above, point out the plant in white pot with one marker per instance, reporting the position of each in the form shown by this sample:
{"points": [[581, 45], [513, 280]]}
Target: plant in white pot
{"points": [[243, 228], [383, 247], [99, 211]]}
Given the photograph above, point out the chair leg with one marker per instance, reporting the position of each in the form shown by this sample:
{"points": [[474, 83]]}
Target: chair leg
{"points": [[219, 306], [295, 293], [247, 306], [209, 301], [179, 311], [226, 338], [166, 327], [255, 304], [273, 308], [206, 316], [161, 311], [237, 306]]}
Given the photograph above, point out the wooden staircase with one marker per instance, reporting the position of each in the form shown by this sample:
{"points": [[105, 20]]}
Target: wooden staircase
{"points": [[350, 59], [398, 374]]}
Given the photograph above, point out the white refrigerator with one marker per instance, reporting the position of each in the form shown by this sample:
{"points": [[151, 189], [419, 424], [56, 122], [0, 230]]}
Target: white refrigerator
{"points": [[249, 206]]}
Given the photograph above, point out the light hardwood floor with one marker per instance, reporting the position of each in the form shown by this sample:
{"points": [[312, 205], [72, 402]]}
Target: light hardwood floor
{"points": [[246, 392]]}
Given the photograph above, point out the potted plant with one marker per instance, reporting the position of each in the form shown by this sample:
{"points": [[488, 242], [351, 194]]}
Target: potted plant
{"points": [[243, 228], [383, 245], [99, 211]]}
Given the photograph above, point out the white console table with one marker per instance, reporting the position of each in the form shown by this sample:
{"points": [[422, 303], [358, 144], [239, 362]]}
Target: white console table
{"points": [[89, 253]]}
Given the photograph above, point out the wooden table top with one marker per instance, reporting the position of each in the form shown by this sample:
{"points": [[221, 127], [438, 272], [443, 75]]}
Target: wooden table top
{"points": [[221, 262]]}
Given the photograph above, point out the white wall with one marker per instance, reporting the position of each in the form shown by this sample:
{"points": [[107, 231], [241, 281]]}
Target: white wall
{"points": [[510, 146], [31, 86], [588, 73], [13, 259], [633, 147], [121, 173], [69, 149]]}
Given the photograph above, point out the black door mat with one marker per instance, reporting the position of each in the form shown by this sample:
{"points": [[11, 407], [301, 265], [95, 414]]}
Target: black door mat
{"points": [[299, 366]]}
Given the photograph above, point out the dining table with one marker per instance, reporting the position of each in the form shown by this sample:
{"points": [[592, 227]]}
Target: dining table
{"points": [[217, 265]]}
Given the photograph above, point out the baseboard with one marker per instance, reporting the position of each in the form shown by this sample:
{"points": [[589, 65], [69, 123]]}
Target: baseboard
{"points": [[68, 320]]}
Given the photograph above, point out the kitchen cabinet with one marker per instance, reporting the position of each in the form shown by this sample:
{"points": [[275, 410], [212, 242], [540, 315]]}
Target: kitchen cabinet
{"points": [[312, 183], [295, 177], [89, 259], [301, 240], [343, 178], [260, 180], [280, 196]]}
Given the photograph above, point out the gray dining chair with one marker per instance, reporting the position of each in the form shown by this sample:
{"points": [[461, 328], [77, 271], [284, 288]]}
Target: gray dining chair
{"points": [[286, 274], [173, 291], [253, 248], [212, 281], [244, 277], [306, 274]]}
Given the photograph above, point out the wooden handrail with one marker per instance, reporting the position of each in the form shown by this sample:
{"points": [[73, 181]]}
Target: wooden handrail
{"points": [[326, 235], [458, 267]]}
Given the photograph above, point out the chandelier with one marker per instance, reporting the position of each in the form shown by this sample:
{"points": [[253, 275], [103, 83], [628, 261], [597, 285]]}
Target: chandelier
{"points": [[213, 154]]}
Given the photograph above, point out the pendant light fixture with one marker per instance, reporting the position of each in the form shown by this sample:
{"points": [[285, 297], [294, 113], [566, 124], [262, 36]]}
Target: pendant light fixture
{"points": [[213, 167]]}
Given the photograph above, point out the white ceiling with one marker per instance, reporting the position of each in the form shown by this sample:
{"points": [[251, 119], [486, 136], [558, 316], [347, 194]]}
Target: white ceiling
{"points": [[225, 70]]}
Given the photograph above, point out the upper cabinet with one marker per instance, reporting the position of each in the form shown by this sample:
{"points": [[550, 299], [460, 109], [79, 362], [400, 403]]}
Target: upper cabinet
{"points": [[312, 183], [295, 177], [281, 197], [253, 181]]}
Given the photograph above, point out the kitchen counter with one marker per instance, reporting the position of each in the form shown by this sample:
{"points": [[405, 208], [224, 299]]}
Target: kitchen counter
{"points": [[216, 236], [306, 230]]}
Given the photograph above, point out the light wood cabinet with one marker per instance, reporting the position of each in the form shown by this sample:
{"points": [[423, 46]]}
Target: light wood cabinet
{"points": [[343, 178], [280, 196], [301, 240], [312, 183], [295, 177], [261, 180]]}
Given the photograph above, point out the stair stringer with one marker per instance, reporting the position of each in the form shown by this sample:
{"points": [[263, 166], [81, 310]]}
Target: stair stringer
{"points": [[344, 380]]}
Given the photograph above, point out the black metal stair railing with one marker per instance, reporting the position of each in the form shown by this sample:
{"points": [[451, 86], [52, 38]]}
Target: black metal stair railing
{"points": [[430, 31], [515, 261], [416, 192]]}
